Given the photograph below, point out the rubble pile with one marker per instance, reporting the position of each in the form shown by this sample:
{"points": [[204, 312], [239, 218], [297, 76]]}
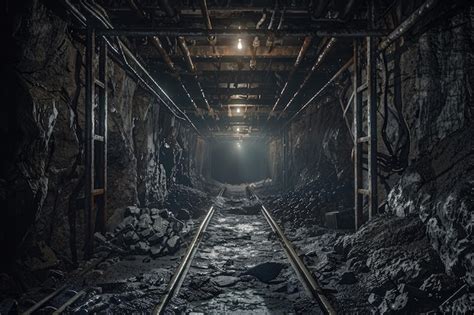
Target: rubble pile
{"points": [[186, 202], [308, 204], [145, 231], [387, 267]]}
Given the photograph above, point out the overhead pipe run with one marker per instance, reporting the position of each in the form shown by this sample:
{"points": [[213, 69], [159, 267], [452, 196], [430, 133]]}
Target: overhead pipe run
{"points": [[192, 68], [299, 58], [256, 42], [164, 4], [186, 54], [207, 21], [408, 23], [324, 52], [154, 88], [156, 42], [321, 90]]}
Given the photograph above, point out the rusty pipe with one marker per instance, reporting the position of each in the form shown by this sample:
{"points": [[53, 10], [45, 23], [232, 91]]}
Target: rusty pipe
{"points": [[192, 68], [186, 53], [324, 52], [166, 58], [408, 23], [321, 90], [207, 21], [299, 58], [163, 53], [152, 85], [155, 40]]}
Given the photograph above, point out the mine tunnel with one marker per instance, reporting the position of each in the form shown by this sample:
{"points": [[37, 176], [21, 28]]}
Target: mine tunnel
{"points": [[237, 157]]}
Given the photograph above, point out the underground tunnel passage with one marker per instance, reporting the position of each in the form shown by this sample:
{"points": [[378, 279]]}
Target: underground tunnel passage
{"points": [[237, 157]]}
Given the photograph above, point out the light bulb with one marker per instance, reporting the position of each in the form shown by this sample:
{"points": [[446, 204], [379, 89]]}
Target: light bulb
{"points": [[238, 109], [238, 129], [239, 44]]}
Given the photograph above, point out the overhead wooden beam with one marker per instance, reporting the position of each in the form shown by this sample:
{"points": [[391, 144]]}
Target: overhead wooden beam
{"points": [[335, 31]]}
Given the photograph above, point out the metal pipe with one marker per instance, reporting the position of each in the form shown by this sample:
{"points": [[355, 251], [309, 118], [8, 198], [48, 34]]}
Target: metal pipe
{"points": [[408, 23], [155, 41], [173, 32], [321, 90], [324, 52], [155, 89], [207, 21], [164, 54], [187, 55], [192, 68], [299, 58]]}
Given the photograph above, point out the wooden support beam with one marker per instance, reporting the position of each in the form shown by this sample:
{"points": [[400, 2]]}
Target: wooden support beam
{"points": [[357, 125], [89, 142]]}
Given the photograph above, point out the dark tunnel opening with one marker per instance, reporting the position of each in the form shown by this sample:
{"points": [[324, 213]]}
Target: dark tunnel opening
{"points": [[239, 161]]}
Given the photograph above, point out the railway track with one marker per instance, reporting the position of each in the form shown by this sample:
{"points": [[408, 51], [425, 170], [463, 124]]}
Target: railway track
{"points": [[243, 256], [239, 261]]}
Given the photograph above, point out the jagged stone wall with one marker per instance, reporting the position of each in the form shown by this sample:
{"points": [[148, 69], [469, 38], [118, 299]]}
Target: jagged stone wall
{"points": [[434, 174], [438, 184], [42, 127], [318, 144]]}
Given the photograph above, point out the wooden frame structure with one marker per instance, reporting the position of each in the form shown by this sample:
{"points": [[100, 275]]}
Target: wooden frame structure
{"points": [[95, 189]]}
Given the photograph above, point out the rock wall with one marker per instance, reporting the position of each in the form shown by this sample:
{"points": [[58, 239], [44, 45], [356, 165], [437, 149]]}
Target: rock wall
{"points": [[316, 159], [437, 72], [429, 146], [318, 143], [42, 127]]}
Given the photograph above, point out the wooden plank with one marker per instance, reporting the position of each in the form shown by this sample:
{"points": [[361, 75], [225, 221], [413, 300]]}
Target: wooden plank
{"points": [[372, 125], [357, 123], [89, 147]]}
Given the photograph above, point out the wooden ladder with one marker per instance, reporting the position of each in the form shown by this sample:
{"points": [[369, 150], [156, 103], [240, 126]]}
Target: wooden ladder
{"points": [[367, 137], [96, 139]]}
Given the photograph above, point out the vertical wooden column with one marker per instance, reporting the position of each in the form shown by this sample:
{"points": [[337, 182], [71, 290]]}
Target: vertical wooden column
{"points": [[89, 142], [95, 187], [357, 123], [372, 117], [101, 138]]}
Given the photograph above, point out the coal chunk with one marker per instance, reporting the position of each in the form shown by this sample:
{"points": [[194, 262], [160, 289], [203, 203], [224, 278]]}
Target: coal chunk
{"points": [[265, 272]]}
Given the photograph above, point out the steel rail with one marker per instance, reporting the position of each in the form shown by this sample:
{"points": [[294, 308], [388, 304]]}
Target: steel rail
{"points": [[62, 288], [309, 282], [178, 277]]}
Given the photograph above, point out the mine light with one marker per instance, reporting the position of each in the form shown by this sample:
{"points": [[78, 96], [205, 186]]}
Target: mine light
{"points": [[239, 44]]}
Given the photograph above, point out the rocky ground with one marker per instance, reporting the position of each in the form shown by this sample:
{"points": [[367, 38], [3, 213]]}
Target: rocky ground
{"points": [[240, 268], [308, 203], [387, 267], [132, 264]]}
